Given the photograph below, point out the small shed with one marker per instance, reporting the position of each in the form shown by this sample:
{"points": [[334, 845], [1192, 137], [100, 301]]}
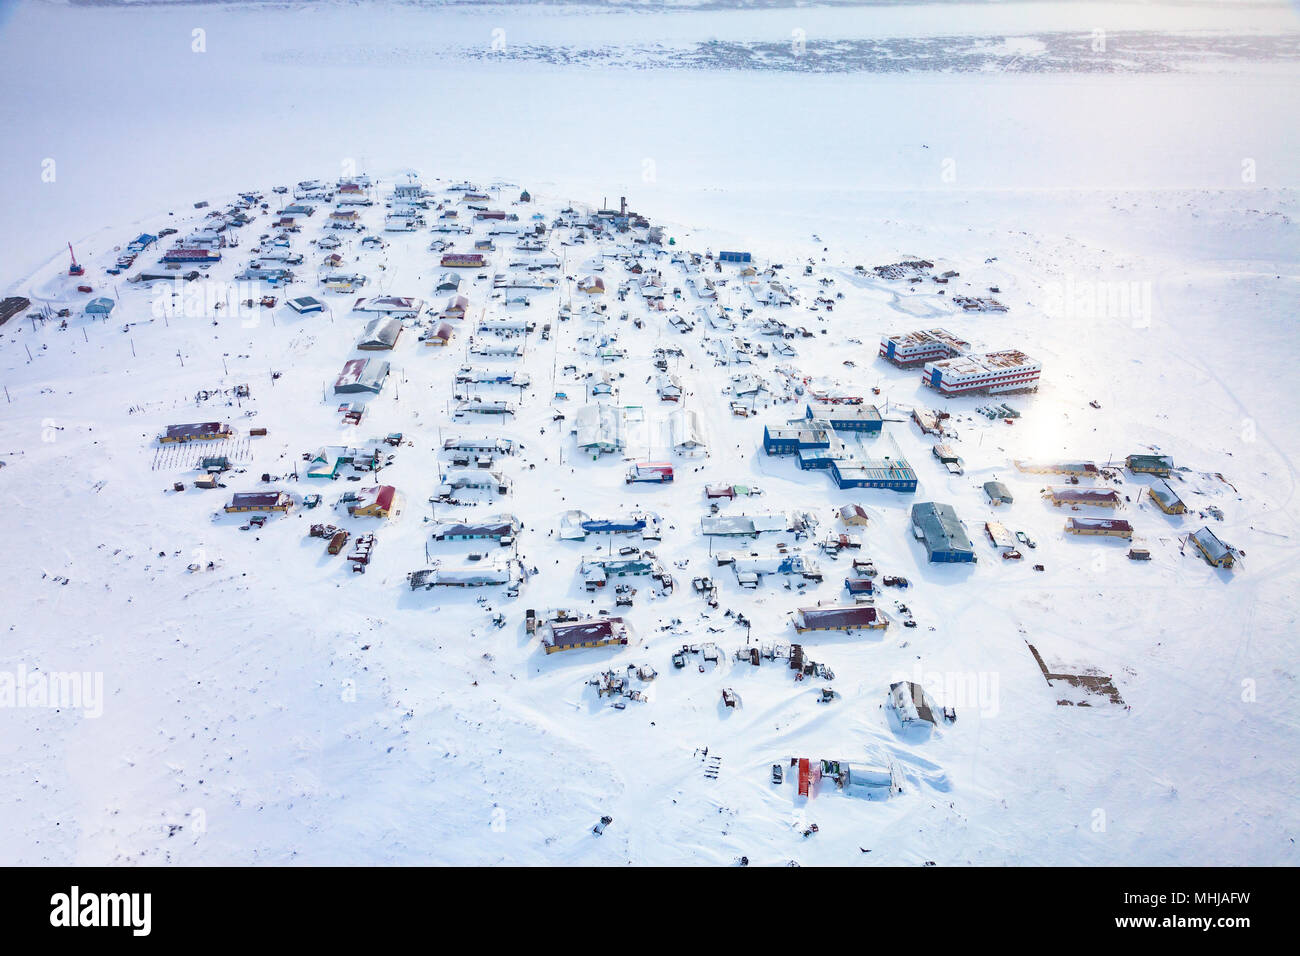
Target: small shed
{"points": [[998, 493]]}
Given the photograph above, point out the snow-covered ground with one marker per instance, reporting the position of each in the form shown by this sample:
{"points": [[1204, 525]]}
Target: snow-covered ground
{"points": [[281, 709]]}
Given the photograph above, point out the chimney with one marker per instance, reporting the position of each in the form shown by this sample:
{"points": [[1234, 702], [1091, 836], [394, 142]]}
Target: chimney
{"points": [[622, 205]]}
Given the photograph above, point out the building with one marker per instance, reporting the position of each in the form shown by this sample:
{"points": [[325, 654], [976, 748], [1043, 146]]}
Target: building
{"points": [[1000, 535], [1080, 469], [1166, 499], [916, 348], [599, 428], [380, 334], [853, 515], [741, 257], [190, 254], [724, 525], [1160, 465], [100, 306], [1214, 551], [306, 304], [201, 431], [13, 305], [361, 375], [591, 285], [864, 419], [442, 335], [794, 439], [495, 527], [588, 632], [992, 372], [938, 528], [911, 704], [378, 502], [463, 260], [687, 436], [389, 305], [997, 493], [1108, 527], [456, 308], [886, 474], [1076, 496], [852, 617], [260, 501]]}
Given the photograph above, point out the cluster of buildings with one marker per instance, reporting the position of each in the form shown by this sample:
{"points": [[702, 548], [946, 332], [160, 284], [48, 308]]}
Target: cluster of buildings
{"points": [[950, 367]]}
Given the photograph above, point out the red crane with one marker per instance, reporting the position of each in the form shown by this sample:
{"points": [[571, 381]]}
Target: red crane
{"points": [[76, 269]]}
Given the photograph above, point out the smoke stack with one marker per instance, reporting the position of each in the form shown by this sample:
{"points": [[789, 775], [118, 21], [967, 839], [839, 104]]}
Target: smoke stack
{"points": [[622, 205]]}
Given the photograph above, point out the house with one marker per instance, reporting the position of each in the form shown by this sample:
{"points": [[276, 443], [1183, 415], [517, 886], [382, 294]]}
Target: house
{"points": [[1159, 465], [1107, 527], [742, 257], [668, 387], [911, 704], [260, 501], [306, 304], [463, 260], [201, 431], [1166, 498], [342, 282], [684, 424], [592, 285], [379, 334], [999, 535], [100, 306], [587, 632], [1214, 551], [343, 219], [389, 305], [1074, 495], [997, 493], [599, 428], [733, 526], [864, 419], [456, 308], [945, 454], [1081, 469], [190, 254], [448, 282], [378, 502], [361, 375], [936, 525], [850, 617], [853, 515], [442, 335], [597, 570], [494, 527], [480, 574]]}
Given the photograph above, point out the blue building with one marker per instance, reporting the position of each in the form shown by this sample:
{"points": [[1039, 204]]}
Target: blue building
{"points": [[733, 257], [942, 534], [791, 440], [887, 474], [864, 419]]}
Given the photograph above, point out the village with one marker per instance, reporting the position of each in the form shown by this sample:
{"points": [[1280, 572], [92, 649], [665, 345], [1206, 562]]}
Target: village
{"points": [[556, 435]]}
